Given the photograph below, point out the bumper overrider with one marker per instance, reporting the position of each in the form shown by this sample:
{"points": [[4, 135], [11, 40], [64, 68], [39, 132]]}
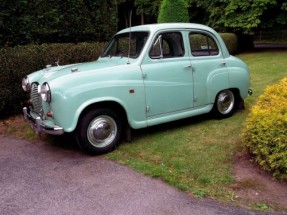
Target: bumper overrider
{"points": [[39, 125]]}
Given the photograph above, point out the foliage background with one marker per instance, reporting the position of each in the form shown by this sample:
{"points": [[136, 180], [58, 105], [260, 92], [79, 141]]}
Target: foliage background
{"points": [[39, 21]]}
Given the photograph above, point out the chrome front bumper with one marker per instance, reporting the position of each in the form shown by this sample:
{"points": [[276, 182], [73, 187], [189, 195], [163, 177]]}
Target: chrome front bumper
{"points": [[39, 125]]}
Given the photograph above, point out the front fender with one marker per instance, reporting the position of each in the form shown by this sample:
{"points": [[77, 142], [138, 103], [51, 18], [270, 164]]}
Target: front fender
{"points": [[68, 105]]}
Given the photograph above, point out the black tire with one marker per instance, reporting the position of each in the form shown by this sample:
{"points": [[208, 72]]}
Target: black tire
{"points": [[225, 104], [99, 131]]}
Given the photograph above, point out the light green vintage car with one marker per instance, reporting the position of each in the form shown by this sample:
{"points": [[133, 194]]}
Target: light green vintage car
{"points": [[148, 75]]}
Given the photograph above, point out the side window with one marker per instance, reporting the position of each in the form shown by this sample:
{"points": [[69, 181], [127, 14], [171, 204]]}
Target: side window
{"points": [[202, 45], [167, 45]]}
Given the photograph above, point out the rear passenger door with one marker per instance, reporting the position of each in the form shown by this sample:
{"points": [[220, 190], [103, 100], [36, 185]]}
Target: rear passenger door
{"points": [[208, 65]]}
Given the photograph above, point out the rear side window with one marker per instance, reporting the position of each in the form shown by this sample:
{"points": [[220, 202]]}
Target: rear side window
{"points": [[167, 45], [202, 45]]}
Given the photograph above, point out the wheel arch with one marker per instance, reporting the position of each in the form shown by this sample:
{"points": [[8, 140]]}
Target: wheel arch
{"points": [[236, 92], [238, 103], [115, 106]]}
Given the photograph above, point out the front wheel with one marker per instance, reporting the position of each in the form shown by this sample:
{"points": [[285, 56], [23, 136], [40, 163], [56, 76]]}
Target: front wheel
{"points": [[99, 131], [225, 104]]}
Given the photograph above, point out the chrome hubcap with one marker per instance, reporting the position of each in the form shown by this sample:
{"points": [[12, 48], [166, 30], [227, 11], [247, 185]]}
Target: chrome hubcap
{"points": [[102, 131], [225, 102]]}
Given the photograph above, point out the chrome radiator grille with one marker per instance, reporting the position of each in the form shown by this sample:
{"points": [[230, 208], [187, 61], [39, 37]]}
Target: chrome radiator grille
{"points": [[35, 98]]}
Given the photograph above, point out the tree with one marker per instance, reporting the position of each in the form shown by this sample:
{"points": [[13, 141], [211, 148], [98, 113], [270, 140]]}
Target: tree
{"points": [[241, 16], [142, 11], [246, 16], [173, 11], [125, 8], [148, 9]]}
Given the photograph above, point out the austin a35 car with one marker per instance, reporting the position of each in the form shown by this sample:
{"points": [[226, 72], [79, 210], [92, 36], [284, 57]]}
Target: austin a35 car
{"points": [[147, 75]]}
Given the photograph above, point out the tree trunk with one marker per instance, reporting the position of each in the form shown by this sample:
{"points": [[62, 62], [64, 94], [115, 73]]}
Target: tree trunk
{"points": [[142, 18]]}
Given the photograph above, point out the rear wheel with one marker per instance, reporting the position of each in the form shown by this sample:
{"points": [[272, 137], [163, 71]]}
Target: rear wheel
{"points": [[225, 104], [99, 131]]}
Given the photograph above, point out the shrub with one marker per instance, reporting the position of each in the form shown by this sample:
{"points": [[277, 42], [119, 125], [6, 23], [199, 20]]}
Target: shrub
{"points": [[231, 42], [173, 11], [265, 134], [19, 61], [24, 22]]}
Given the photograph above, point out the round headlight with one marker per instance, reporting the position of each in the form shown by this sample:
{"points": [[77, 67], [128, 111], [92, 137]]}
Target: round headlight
{"points": [[46, 92], [26, 84]]}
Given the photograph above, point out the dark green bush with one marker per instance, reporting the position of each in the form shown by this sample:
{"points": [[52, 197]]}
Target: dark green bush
{"points": [[173, 11], [19, 61], [24, 22], [265, 134], [231, 42]]}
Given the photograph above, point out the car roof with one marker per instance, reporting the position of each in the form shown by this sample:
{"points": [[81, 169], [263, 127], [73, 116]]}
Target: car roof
{"points": [[166, 26]]}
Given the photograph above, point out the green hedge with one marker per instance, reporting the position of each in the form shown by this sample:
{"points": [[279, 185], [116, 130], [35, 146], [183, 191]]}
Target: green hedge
{"points": [[19, 61], [265, 134], [231, 42]]}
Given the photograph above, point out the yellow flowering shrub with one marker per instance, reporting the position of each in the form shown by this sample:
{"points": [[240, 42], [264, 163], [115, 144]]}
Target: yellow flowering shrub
{"points": [[265, 133]]}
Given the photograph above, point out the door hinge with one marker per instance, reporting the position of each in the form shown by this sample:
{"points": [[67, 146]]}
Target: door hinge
{"points": [[144, 75]]}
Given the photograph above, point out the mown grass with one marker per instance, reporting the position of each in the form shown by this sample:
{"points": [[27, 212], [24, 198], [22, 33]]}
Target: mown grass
{"points": [[195, 155]]}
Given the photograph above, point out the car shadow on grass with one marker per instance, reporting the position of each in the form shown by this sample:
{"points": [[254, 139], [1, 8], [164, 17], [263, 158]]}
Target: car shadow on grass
{"points": [[67, 141], [138, 133]]}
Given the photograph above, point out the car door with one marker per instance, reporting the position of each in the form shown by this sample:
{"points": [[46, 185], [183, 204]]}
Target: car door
{"points": [[209, 70], [167, 75]]}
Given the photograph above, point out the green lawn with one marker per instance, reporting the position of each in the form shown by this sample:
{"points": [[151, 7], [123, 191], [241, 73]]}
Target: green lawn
{"points": [[196, 155]]}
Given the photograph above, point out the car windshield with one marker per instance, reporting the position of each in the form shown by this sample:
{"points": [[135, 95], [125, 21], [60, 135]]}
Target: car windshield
{"points": [[126, 45]]}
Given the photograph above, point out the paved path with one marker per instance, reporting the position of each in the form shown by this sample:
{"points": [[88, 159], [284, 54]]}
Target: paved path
{"points": [[40, 179]]}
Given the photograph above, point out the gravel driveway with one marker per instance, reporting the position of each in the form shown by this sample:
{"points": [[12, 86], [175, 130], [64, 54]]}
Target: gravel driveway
{"points": [[39, 178]]}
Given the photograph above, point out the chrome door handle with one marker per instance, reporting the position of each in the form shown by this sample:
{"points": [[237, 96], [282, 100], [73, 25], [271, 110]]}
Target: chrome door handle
{"points": [[188, 66]]}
